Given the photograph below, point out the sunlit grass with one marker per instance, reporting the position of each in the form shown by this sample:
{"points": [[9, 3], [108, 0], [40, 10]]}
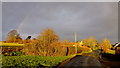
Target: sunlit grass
{"points": [[85, 52], [111, 51], [10, 44]]}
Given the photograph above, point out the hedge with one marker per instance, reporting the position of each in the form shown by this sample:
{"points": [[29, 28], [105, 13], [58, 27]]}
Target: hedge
{"points": [[40, 61]]}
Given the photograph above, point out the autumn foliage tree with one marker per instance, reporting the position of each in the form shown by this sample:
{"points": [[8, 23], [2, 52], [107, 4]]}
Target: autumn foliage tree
{"points": [[41, 44], [47, 37], [13, 37], [91, 42], [106, 45]]}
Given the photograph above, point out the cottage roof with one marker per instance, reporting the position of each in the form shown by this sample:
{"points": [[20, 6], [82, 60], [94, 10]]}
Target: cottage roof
{"points": [[116, 45]]}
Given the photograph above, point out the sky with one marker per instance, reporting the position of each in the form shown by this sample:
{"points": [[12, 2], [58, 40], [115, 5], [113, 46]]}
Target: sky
{"points": [[98, 19]]}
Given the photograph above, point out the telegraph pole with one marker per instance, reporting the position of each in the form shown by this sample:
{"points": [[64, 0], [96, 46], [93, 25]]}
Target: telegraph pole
{"points": [[75, 39]]}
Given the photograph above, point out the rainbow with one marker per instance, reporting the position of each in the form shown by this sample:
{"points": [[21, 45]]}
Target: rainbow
{"points": [[22, 23], [25, 18]]}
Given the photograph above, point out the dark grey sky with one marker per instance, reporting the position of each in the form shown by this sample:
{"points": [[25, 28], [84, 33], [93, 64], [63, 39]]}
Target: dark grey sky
{"points": [[85, 18]]}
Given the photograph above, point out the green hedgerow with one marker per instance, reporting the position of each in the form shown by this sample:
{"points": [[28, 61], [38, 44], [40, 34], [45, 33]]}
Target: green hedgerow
{"points": [[33, 60]]}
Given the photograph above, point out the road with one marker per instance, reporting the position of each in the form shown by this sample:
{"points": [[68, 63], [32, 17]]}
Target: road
{"points": [[82, 61]]}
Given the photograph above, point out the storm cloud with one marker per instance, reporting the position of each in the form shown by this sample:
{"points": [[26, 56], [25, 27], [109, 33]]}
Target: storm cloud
{"points": [[98, 19]]}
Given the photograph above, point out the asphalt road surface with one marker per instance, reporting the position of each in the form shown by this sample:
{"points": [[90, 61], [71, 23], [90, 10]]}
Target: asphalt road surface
{"points": [[83, 61]]}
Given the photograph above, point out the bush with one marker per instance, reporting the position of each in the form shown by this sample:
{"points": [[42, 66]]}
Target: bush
{"points": [[17, 53], [79, 50], [71, 51], [55, 49], [12, 51], [32, 60]]}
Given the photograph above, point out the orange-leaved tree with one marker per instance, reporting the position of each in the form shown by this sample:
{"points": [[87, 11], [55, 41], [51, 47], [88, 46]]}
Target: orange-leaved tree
{"points": [[91, 42], [106, 45], [39, 46], [13, 37], [47, 37]]}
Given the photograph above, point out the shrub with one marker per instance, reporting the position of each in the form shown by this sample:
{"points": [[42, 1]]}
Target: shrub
{"points": [[55, 49], [71, 50], [32, 60], [12, 51], [79, 50]]}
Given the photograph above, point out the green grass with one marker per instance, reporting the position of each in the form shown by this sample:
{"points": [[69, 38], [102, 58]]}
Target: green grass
{"points": [[33, 60]]}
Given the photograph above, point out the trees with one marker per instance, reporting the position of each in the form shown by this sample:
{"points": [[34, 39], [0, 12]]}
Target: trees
{"points": [[85, 42], [44, 44], [47, 37], [91, 42], [106, 45], [13, 36]]}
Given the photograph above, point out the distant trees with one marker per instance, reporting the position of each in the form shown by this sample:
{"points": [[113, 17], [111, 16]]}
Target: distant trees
{"points": [[91, 42], [48, 44], [66, 42], [106, 45], [13, 36]]}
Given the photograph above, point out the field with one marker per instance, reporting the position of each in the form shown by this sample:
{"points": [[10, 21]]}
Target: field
{"points": [[10, 44], [33, 60]]}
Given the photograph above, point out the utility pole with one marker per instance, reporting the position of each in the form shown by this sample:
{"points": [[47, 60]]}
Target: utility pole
{"points": [[75, 38]]}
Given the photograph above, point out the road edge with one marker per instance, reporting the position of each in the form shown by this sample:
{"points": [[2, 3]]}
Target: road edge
{"points": [[65, 61]]}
